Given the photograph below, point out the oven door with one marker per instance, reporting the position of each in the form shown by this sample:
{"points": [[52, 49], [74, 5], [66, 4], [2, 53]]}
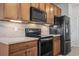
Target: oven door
{"points": [[46, 48]]}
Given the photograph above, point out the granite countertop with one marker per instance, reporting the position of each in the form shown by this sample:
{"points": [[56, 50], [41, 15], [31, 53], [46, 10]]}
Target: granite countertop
{"points": [[16, 40], [54, 35], [22, 39]]}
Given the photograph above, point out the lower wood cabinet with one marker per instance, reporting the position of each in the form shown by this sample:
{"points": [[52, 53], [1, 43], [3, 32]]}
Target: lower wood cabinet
{"points": [[56, 45], [19, 53], [31, 51], [28, 52], [19, 49], [25, 49]]}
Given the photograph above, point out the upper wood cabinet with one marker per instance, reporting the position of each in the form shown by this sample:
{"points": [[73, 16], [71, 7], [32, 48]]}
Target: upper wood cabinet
{"points": [[1, 11], [55, 10], [25, 11], [11, 11], [50, 13], [21, 11], [42, 6], [59, 11], [36, 5]]}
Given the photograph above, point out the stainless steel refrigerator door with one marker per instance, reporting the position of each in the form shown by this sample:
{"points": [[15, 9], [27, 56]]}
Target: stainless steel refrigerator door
{"points": [[66, 29]]}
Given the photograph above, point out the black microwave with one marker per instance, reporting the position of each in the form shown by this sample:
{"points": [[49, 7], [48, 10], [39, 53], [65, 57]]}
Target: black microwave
{"points": [[37, 15]]}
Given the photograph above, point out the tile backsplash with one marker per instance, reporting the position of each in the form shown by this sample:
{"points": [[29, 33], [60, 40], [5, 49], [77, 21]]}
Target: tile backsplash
{"points": [[9, 29]]}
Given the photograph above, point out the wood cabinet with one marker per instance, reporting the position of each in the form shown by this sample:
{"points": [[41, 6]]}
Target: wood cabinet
{"points": [[11, 11], [19, 53], [56, 45], [59, 11], [27, 49], [31, 51], [21, 11], [42, 6], [36, 5], [55, 10], [19, 49], [1, 11], [50, 13], [25, 11]]}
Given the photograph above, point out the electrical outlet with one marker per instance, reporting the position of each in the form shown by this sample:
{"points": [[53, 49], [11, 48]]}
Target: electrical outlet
{"points": [[15, 29]]}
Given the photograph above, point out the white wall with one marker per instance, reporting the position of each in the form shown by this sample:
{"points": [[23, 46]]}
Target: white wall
{"points": [[74, 22], [64, 7]]}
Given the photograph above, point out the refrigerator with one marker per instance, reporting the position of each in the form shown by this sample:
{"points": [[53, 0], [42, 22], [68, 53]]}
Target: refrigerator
{"points": [[65, 35], [64, 24]]}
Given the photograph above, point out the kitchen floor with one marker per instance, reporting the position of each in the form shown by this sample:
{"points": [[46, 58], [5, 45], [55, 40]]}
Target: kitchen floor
{"points": [[74, 51]]}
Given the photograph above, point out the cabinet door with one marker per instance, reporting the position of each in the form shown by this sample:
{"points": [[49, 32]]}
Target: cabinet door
{"points": [[42, 6], [18, 53], [32, 51], [48, 12], [11, 11], [25, 11], [51, 14], [59, 12], [55, 11], [58, 49], [28, 52], [56, 46], [36, 5], [1, 11]]}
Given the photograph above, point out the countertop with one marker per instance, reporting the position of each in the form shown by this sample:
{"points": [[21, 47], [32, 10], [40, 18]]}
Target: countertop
{"points": [[22, 39], [16, 40]]}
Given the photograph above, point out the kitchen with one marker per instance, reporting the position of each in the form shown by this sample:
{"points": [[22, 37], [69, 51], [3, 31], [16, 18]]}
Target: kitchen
{"points": [[26, 30]]}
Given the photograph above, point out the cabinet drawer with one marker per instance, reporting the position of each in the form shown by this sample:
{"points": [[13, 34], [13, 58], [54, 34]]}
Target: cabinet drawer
{"points": [[22, 46], [32, 44], [18, 46], [19, 53]]}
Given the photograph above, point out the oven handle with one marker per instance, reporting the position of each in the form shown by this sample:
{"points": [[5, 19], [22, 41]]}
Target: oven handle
{"points": [[46, 39]]}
